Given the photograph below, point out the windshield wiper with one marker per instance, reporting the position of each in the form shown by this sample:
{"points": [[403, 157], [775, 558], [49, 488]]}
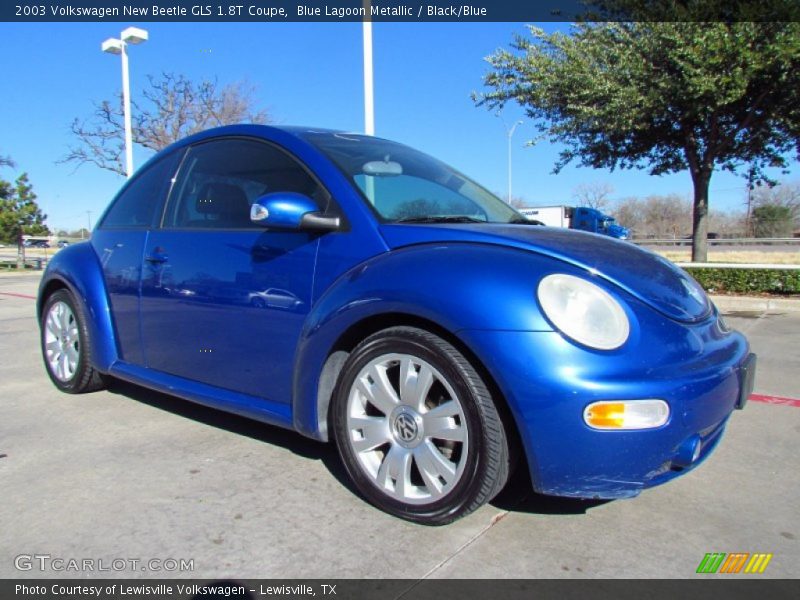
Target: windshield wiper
{"points": [[443, 219]]}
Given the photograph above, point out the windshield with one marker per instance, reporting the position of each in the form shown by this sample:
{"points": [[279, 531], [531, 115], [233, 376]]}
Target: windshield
{"points": [[403, 185]]}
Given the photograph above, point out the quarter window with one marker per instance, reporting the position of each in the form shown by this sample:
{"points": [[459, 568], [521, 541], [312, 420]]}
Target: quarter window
{"points": [[220, 180], [135, 207]]}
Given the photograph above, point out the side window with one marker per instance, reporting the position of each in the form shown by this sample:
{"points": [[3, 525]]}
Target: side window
{"points": [[220, 180], [135, 207]]}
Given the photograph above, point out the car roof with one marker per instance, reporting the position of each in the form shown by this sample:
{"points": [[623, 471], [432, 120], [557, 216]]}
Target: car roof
{"points": [[253, 129]]}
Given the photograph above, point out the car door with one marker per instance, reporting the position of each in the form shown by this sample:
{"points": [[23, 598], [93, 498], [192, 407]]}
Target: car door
{"points": [[205, 272], [119, 241]]}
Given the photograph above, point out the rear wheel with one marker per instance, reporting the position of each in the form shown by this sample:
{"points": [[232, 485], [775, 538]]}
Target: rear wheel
{"points": [[417, 429], [66, 346]]}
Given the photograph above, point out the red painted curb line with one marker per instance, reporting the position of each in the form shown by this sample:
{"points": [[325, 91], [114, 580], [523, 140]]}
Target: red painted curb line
{"points": [[18, 295], [775, 400]]}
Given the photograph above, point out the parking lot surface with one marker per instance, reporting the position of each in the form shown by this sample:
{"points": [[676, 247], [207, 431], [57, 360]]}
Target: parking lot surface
{"points": [[135, 475]]}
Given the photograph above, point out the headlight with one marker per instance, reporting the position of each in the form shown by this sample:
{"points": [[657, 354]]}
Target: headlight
{"points": [[583, 311]]}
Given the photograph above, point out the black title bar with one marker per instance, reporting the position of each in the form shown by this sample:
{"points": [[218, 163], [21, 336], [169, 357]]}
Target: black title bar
{"points": [[276, 11], [733, 588]]}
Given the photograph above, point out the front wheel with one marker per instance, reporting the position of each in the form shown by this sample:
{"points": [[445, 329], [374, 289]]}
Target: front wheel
{"points": [[66, 345], [417, 428]]}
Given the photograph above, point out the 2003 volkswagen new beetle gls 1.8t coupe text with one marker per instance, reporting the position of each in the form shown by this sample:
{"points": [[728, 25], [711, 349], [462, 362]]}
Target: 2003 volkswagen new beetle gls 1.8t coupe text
{"points": [[356, 290]]}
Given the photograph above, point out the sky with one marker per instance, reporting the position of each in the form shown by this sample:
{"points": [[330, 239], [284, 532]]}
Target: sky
{"points": [[303, 74]]}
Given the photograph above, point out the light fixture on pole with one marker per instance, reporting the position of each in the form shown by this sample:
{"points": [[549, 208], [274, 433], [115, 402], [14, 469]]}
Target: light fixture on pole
{"points": [[132, 35], [509, 133]]}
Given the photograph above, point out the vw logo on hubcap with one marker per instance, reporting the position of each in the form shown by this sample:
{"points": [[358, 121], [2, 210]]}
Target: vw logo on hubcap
{"points": [[406, 426]]}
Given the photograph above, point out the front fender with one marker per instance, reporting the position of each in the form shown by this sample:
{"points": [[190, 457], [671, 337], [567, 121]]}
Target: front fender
{"points": [[456, 285], [77, 268]]}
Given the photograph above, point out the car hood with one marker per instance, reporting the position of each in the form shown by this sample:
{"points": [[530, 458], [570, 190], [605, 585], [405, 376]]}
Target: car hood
{"points": [[645, 275]]}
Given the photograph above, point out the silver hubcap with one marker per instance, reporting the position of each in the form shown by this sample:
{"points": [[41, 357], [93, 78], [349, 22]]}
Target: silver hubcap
{"points": [[407, 428], [61, 341]]}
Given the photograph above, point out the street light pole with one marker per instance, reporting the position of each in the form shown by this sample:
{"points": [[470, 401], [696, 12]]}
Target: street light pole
{"points": [[132, 35], [369, 100], [126, 110], [510, 134]]}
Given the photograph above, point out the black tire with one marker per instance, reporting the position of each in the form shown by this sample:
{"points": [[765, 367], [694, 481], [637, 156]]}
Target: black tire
{"points": [[487, 464], [85, 377]]}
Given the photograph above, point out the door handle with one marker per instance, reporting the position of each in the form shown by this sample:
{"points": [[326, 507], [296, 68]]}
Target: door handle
{"points": [[156, 257]]}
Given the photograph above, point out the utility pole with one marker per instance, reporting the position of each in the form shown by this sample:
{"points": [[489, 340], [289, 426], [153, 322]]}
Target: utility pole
{"points": [[750, 230]]}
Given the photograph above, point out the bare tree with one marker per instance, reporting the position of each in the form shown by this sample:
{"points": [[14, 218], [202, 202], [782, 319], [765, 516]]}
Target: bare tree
{"points": [[594, 195], [517, 201], [628, 213], [727, 224], [655, 216], [668, 216], [172, 107]]}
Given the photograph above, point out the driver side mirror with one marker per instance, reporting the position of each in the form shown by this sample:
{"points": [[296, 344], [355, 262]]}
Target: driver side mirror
{"points": [[289, 210]]}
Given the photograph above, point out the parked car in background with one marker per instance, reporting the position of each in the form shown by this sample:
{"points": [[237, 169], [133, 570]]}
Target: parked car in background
{"points": [[63, 243], [275, 298], [434, 334]]}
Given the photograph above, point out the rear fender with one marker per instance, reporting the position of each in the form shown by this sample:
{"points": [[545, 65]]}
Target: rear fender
{"points": [[77, 268]]}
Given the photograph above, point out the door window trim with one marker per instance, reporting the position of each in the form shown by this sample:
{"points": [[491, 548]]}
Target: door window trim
{"points": [[176, 156], [171, 199]]}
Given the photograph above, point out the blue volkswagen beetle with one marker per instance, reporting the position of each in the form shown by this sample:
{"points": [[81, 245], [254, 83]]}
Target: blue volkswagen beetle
{"points": [[354, 289]]}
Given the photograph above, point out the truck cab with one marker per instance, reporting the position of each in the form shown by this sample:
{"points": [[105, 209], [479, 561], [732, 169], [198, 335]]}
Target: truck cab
{"points": [[591, 219]]}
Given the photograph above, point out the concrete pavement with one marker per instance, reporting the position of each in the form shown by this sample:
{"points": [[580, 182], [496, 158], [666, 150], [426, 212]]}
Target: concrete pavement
{"points": [[131, 474]]}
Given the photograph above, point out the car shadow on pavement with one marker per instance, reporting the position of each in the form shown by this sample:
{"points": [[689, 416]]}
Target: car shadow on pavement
{"points": [[517, 496], [269, 434]]}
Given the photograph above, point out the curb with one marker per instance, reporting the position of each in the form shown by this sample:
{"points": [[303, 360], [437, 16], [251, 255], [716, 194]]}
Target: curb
{"points": [[754, 303], [23, 273]]}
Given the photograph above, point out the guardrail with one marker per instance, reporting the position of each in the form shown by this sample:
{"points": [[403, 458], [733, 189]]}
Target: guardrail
{"points": [[791, 241], [36, 262], [708, 265]]}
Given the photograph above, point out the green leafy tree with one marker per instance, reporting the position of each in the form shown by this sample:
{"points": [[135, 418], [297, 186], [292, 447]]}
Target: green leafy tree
{"points": [[785, 194], [772, 220], [665, 96], [19, 213]]}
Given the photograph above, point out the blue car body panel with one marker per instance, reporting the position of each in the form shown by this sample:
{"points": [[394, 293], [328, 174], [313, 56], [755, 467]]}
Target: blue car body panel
{"points": [[389, 284], [207, 295], [548, 381], [643, 274], [189, 313], [78, 269]]}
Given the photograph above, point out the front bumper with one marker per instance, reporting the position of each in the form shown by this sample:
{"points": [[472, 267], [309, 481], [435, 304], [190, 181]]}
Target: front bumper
{"points": [[701, 371]]}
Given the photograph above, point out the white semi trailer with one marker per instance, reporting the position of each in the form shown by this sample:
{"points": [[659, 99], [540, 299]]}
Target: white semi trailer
{"points": [[552, 216]]}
